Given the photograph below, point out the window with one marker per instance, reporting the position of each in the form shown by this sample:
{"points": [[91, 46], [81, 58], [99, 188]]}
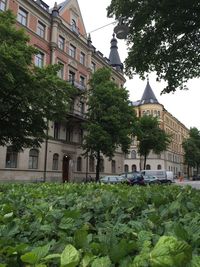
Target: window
{"points": [[61, 42], [2, 5], [126, 168], [11, 158], [82, 107], [69, 134], [133, 154], [72, 51], [33, 159], [82, 58], [82, 81], [80, 136], [101, 165], [61, 71], [148, 167], [22, 16], [71, 76], [91, 164], [55, 162], [113, 166], [134, 168], [93, 67], [39, 60], [79, 164], [74, 28], [56, 130], [41, 29], [159, 167]]}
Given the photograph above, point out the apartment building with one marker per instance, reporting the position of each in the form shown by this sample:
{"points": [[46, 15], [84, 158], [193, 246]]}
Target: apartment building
{"points": [[173, 158], [60, 36]]}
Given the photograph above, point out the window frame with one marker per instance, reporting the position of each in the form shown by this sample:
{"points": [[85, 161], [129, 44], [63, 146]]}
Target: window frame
{"points": [[82, 58], [55, 161], [2, 5], [61, 43], [33, 159], [39, 59], [72, 51], [11, 158], [22, 16], [41, 31]]}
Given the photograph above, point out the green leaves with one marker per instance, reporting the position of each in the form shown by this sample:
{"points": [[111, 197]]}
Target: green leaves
{"points": [[70, 257], [170, 252], [81, 225]]}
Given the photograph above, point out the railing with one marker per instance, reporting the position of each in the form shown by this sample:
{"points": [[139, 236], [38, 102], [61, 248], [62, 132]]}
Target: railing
{"points": [[42, 4], [77, 113], [74, 29], [78, 85]]}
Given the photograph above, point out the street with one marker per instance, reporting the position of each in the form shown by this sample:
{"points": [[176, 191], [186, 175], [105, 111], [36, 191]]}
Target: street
{"points": [[194, 184]]}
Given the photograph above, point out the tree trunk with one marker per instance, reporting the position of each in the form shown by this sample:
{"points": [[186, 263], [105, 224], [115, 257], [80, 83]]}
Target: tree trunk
{"points": [[188, 171], [145, 160], [98, 166]]}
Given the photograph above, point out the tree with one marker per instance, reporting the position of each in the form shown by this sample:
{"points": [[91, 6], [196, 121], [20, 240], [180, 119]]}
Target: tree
{"points": [[191, 146], [29, 96], [110, 118], [163, 37], [150, 137]]}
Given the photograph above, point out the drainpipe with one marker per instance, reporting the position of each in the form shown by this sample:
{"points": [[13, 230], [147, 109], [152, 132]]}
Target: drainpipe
{"points": [[45, 153]]}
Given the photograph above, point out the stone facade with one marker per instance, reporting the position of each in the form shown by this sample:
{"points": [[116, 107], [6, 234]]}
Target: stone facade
{"points": [[173, 158], [60, 36]]}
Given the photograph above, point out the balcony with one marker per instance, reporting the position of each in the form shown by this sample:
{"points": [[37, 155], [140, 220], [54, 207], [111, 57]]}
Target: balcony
{"points": [[78, 85], [42, 4], [75, 29], [76, 115]]}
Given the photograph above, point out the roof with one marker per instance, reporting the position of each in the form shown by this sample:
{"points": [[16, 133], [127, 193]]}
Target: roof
{"points": [[148, 96], [114, 55]]}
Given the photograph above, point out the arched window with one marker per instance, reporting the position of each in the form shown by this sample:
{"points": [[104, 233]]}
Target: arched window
{"points": [[148, 167], [101, 165], [134, 168], [11, 158], [113, 166], [159, 167], [33, 159], [55, 161], [91, 164], [126, 169], [133, 154], [79, 164]]}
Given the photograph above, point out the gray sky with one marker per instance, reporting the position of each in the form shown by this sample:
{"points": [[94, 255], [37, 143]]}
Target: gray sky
{"points": [[184, 105]]}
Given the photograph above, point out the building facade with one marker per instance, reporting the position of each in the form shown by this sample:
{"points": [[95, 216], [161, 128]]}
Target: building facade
{"points": [[60, 36], [173, 158]]}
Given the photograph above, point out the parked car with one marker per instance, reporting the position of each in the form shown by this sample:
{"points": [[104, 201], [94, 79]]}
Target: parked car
{"points": [[150, 179], [134, 178], [196, 177], [112, 179]]}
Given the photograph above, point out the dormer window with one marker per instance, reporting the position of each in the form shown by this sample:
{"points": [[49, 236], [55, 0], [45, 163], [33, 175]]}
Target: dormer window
{"points": [[74, 27]]}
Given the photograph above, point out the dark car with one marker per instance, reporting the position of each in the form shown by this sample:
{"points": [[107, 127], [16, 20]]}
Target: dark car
{"points": [[134, 178], [196, 177], [150, 179]]}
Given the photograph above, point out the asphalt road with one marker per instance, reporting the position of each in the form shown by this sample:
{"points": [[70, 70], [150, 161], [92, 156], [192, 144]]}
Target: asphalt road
{"points": [[194, 184]]}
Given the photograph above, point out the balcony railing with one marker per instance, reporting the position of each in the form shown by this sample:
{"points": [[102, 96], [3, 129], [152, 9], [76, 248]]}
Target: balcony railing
{"points": [[78, 85], [75, 29], [77, 113], [42, 4]]}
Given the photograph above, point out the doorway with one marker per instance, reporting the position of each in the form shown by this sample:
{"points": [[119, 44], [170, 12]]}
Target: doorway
{"points": [[65, 169]]}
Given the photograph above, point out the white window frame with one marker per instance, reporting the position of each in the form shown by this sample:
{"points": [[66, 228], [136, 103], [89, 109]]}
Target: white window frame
{"points": [[39, 60], [41, 29], [22, 16], [61, 42], [2, 5]]}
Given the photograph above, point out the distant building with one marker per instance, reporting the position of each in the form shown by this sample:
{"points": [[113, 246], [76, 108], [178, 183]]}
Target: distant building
{"points": [[173, 158], [60, 36]]}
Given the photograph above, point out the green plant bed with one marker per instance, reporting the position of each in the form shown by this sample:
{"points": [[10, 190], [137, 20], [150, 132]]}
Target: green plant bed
{"points": [[99, 225]]}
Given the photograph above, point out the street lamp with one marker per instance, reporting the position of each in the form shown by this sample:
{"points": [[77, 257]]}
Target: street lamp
{"points": [[121, 30]]}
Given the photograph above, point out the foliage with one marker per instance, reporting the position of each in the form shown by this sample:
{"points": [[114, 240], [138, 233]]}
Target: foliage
{"points": [[29, 96], [191, 146], [110, 117], [150, 137], [163, 37], [89, 225]]}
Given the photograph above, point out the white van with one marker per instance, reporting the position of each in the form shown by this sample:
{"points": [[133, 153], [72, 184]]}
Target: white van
{"points": [[163, 175]]}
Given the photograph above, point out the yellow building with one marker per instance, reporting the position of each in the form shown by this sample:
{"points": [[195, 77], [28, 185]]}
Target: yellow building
{"points": [[173, 158]]}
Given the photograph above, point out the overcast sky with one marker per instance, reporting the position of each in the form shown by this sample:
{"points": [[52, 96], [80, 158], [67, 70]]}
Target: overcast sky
{"points": [[184, 105]]}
